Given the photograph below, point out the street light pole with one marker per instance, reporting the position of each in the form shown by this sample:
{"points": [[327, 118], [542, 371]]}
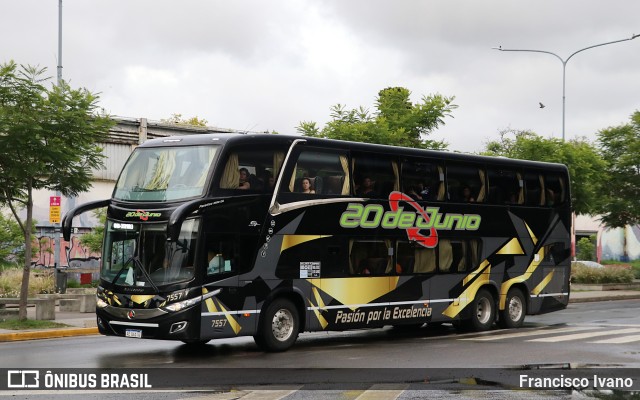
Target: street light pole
{"points": [[564, 67]]}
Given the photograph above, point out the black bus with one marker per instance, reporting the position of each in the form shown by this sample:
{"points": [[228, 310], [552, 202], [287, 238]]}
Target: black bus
{"points": [[222, 235]]}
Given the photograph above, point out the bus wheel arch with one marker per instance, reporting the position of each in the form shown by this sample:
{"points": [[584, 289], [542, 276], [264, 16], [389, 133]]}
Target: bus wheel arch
{"points": [[515, 309], [281, 320]]}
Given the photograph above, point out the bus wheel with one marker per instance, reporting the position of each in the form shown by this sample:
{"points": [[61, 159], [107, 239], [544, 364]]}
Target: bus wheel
{"points": [[279, 328], [483, 311], [514, 311]]}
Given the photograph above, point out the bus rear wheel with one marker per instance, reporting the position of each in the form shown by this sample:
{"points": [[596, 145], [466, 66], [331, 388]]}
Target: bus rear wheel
{"points": [[483, 311], [514, 311], [279, 328]]}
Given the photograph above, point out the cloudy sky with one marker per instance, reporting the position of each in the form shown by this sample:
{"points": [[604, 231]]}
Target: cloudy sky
{"points": [[267, 65]]}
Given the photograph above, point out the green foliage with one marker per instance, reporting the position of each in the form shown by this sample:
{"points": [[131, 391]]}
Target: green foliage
{"points": [[586, 249], [634, 265], [178, 120], [48, 140], [11, 241], [14, 324], [620, 147], [396, 122], [39, 282], [583, 274], [93, 240], [586, 166]]}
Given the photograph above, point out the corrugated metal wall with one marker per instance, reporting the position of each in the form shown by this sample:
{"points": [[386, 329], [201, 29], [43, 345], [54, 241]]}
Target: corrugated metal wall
{"points": [[129, 132]]}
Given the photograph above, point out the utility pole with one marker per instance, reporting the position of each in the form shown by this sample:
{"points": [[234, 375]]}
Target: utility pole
{"points": [[56, 225]]}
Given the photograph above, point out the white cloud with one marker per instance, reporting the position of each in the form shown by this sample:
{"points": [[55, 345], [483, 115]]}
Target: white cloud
{"points": [[259, 65]]}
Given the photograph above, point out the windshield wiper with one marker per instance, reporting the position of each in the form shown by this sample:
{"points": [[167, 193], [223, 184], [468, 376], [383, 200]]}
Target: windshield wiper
{"points": [[121, 269], [138, 264]]}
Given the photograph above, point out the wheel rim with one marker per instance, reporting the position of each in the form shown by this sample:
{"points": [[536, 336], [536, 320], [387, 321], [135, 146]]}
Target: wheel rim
{"points": [[515, 308], [483, 311], [282, 325]]}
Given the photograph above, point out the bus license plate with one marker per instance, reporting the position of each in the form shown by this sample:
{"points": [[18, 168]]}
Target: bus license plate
{"points": [[134, 333]]}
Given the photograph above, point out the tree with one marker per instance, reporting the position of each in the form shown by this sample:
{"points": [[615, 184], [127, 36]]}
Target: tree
{"points": [[178, 120], [396, 122], [620, 148], [48, 140], [586, 166], [93, 240], [11, 241]]}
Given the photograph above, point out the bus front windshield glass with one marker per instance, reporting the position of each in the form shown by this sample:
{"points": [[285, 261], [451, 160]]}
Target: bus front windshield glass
{"points": [[139, 254], [165, 173]]}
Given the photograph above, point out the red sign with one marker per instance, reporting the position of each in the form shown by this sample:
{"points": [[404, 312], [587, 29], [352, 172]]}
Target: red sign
{"points": [[54, 209]]}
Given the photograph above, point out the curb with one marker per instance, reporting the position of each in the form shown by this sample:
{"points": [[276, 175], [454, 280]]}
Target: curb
{"points": [[604, 298], [47, 334]]}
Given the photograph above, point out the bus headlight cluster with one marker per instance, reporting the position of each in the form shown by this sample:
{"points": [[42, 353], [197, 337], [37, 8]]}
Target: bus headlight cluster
{"points": [[181, 305], [101, 303]]}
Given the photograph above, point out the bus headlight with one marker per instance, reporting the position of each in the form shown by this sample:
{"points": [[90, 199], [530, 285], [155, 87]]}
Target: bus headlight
{"points": [[181, 305], [101, 303]]}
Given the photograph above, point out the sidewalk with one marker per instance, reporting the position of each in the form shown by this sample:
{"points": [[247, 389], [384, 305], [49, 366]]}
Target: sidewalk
{"points": [[82, 324]]}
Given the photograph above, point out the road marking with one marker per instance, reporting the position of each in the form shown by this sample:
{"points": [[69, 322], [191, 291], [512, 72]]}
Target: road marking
{"points": [[531, 333], [587, 335], [382, 392], [619, 340]]}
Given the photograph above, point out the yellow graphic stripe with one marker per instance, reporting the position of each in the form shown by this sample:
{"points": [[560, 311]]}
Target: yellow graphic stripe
{"points": [[232, 321], [472, 275], [289, 241], [513, 247], [319, 301], [468, 295], [352, 292], [504, 289], [140, 298], [321, 319], [211, 306], [543, 284], [533, 237]]}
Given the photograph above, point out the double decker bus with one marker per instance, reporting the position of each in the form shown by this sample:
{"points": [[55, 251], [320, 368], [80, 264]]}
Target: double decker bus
{"points": [[223, 235]]}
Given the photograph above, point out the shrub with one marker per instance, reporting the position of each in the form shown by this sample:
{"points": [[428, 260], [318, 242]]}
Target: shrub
{"points": [[40, 281], [586, 249], [583, 274]]}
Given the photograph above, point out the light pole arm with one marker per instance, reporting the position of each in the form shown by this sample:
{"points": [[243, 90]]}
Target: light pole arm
{"points": [[533, 51], [601, 44]]}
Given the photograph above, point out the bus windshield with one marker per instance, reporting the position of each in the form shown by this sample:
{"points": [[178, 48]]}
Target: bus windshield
{"points": [[139, 254], [165, 173]]}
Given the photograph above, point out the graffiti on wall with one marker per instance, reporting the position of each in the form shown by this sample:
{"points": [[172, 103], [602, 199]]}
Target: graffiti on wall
{"points": [[72, 254]]}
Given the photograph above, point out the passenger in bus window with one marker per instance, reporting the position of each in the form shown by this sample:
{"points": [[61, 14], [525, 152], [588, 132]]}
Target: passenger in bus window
{"points": [[551, 197], [413, 192], [466, 195], [244, 179], [366, 188], [307, 187]]}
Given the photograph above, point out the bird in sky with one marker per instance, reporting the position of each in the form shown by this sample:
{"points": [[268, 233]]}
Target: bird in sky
{"points": [[541, 105]]}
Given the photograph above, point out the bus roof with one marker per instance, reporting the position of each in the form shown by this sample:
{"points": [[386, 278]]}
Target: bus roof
{"points": [[275, 139]]}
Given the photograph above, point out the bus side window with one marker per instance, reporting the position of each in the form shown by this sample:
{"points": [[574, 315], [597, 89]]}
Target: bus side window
{"points": [[316, 172], [466, 183], [260, 168], [505, 186], [555, 190], [375, 175], [421, 180], [370, 257], [534, 183]]}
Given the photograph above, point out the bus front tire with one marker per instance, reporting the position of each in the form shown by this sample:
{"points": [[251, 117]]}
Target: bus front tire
{"points": [[483, 311], [514, 311], [279, 328]]}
